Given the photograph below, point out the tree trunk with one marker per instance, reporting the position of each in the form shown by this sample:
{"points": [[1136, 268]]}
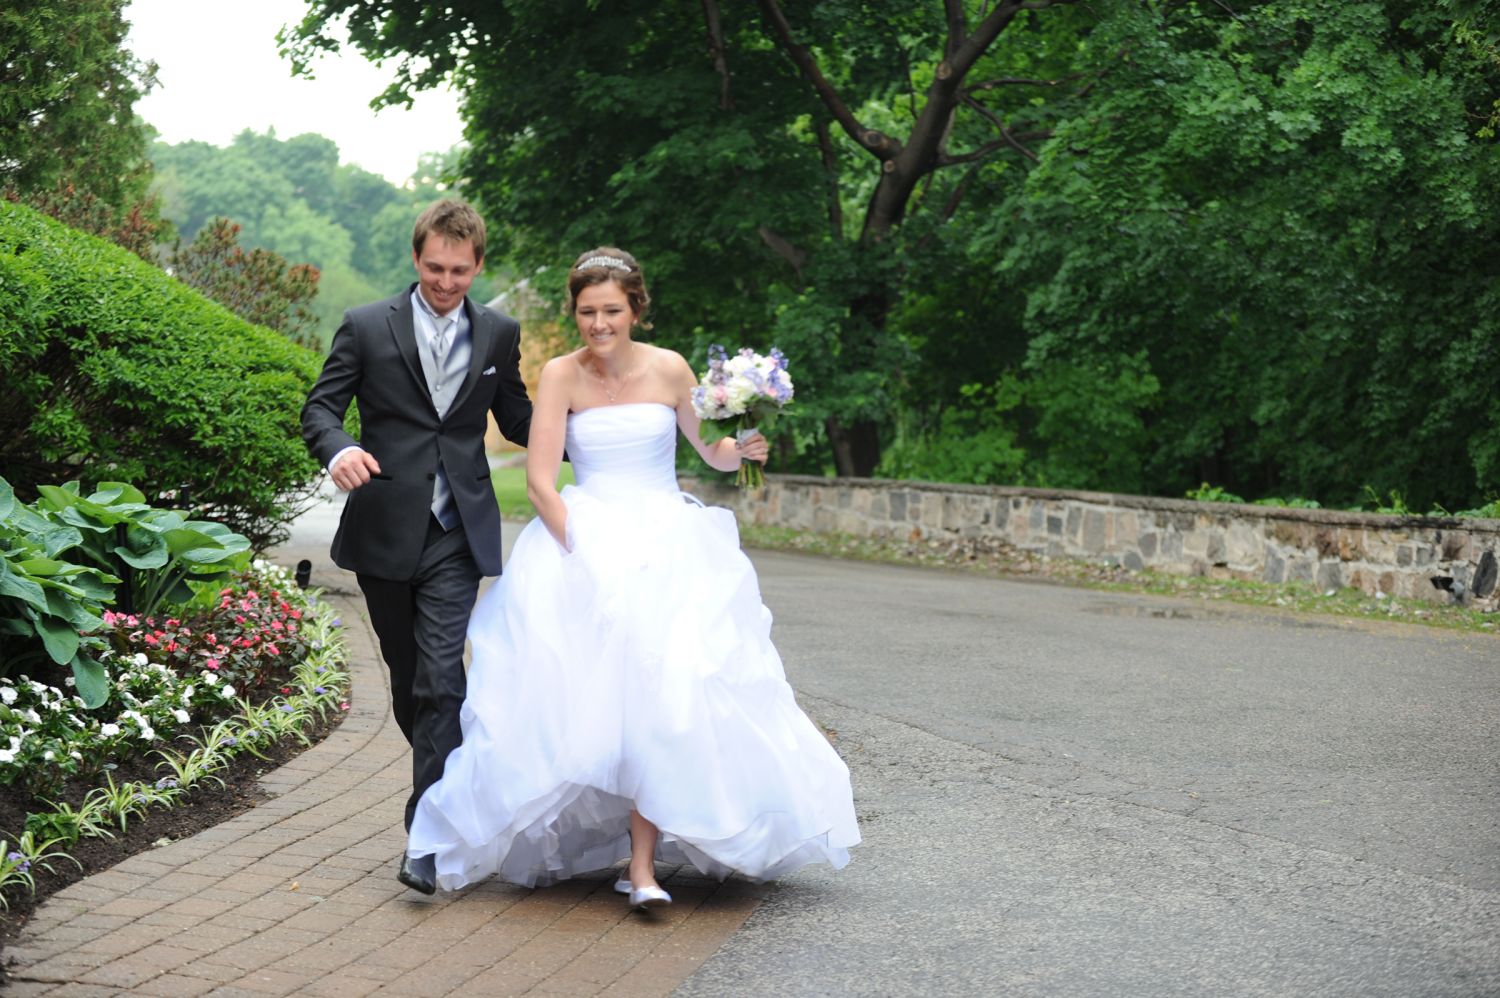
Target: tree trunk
{"points": [[856, 447]]}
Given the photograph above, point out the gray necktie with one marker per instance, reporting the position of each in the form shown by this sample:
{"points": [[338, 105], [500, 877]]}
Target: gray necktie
{"points": [[440, 343], [442, 495]]}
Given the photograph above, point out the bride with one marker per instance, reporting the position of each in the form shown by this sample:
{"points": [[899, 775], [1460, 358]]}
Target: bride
{"points": [[624, 697]]}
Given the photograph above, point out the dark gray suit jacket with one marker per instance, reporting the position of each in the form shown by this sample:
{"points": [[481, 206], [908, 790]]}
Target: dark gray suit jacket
{"points": [[374, 362]]}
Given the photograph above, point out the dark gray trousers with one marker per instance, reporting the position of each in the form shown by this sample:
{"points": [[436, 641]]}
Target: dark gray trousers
{"points": [[421, 625]]}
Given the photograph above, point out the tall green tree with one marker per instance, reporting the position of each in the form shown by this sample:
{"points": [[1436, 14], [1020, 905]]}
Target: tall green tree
{"points": [[68, 88], [1288, 220], [762, 158]]}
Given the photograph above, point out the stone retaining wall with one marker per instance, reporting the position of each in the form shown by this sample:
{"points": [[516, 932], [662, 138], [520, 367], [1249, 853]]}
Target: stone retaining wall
{"points": [[1406, 556]]}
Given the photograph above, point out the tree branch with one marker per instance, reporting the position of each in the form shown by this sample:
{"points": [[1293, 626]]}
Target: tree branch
{"points": [[784, 249], [831, 168], [1014, 81], [961, 61], [882, 145], [716, 49], [971, 155], [1005, 133], [953, 11]]}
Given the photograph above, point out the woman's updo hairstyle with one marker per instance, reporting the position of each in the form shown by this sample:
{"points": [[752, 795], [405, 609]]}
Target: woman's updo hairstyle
{"points": [[609, 263]]}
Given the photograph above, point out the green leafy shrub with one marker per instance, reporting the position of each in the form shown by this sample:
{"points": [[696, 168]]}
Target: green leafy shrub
{"points": [[158, 551], [972, 443], [115, 370], [49, 608]]}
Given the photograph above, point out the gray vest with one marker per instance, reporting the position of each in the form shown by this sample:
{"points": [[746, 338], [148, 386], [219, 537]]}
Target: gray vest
{"points": [[444, 387]]}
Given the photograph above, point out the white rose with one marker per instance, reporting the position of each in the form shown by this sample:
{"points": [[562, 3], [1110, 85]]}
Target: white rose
{"points": [[8, 694], [109, 730]]}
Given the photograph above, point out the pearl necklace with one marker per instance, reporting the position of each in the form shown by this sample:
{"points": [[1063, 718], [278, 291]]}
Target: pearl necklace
{"points": [[613, 395]]}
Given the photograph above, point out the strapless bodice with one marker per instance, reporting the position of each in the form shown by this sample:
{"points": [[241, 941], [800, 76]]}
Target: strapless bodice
{"points": [[631, 445]]}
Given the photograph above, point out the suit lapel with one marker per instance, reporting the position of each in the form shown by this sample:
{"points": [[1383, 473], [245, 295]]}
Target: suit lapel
{"points": [[482, 338], [403, 326]]}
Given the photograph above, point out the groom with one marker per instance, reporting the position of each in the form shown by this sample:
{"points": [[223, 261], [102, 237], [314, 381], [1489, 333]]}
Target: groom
{"points": [[421, 524]]}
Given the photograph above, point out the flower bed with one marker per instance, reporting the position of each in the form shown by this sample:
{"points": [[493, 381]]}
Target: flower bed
{"points": [[237, 676]]}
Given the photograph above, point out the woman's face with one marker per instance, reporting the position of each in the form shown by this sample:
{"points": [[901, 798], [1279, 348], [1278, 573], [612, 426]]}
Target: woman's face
{"points": [[604, 318]]}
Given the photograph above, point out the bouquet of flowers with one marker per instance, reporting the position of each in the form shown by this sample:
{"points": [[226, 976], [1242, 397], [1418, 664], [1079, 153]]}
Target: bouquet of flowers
{"points": [[744, 389]]}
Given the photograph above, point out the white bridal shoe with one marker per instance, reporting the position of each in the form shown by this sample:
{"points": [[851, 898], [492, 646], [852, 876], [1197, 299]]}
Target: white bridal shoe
{"points": [[648, 897]]}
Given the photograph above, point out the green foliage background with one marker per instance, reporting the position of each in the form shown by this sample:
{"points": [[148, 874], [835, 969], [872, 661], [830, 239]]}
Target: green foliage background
{"points": [[117, 372], [1253, 243], [294, 197]]}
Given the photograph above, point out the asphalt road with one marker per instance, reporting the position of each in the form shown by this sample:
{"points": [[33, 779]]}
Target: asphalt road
{"points": [[1065, 792], [1071, 793]]}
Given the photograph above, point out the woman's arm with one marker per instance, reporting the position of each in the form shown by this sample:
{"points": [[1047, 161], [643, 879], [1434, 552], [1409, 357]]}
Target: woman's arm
{"points": [[723, 455], [549, 425]]}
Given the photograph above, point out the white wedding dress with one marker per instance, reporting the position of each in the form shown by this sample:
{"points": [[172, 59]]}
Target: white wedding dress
{"points": [[634, 670]]}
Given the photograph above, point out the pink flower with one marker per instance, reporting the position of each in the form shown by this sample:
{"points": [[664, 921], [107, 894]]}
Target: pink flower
{"points": [[272, 649], [212, 663], [150, 639]]}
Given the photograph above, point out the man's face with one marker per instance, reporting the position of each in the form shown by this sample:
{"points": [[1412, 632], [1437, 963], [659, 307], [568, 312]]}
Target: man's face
{"points": [[445, 270]]}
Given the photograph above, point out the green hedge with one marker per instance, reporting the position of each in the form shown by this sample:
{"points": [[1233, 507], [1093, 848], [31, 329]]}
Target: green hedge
{"points": [[116, 371]]}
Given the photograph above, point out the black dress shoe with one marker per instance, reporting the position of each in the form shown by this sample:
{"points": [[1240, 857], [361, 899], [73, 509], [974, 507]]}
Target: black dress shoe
{"points": [[419, 874]]}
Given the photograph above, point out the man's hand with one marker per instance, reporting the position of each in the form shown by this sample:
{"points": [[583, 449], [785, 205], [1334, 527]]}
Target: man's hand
{"points": [[354, 469]]}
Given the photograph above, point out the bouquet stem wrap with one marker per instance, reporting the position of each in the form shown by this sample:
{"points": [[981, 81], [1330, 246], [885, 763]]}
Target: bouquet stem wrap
{"points": [[751, 475]]}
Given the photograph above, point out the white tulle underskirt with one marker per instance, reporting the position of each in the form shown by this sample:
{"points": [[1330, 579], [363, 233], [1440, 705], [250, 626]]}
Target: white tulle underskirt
{"points": [[634, 671]]}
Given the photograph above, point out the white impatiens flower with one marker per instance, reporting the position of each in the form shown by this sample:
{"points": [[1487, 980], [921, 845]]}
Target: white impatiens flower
{"points": [[187, 693], [141, 659], [148, 733], [33, 716], [228, 691], [109, 730], [209, 677], [6, 755], [181, 715], [49, 755], [8, 694], [77, 755]]}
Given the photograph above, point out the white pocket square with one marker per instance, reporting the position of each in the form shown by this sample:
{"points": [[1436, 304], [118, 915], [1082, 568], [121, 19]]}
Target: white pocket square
{"points": [[487, 370]]}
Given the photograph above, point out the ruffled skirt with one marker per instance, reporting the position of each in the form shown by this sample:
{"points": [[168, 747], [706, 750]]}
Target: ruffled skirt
{"points": [[635, 670]]}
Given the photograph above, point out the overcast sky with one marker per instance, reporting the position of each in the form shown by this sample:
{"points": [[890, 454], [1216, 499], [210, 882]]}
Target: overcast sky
{"points": [[220, 74]]}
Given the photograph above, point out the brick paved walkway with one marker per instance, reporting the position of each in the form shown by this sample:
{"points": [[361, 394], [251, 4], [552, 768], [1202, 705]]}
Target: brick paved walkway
{"points": [[299, 896]]}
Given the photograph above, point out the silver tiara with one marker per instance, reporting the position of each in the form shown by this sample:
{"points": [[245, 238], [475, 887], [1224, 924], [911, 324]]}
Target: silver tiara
{"points": [[611, 262]]}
